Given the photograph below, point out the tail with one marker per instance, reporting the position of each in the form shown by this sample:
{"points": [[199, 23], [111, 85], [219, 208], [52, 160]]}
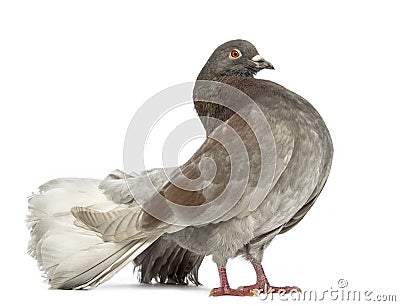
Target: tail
{"points": [[71, 256]]}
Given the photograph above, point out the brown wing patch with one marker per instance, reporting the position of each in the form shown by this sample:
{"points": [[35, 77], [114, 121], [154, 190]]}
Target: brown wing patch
{"points": [[176, 191]]}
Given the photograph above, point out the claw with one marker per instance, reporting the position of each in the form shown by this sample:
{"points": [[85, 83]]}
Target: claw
{"points": [[299, 290], [217, 292]]}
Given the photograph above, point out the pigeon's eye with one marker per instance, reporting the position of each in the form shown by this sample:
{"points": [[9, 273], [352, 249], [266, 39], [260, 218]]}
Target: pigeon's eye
{"points": [[235, 53]]}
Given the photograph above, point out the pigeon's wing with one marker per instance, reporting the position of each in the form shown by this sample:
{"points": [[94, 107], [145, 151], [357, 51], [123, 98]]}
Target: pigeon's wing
{"points": [[216, 184], [229, 176], [220, 181], [126, 188]]}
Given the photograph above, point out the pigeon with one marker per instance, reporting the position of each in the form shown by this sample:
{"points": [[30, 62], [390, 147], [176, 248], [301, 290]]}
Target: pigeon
{"points": [[269, 148]]}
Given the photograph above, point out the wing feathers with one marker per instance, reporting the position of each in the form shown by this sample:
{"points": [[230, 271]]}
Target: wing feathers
{"points": [[116, 226]]}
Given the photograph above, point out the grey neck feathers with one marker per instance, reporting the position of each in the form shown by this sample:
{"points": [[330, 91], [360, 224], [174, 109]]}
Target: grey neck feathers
{"points": [[207, 110]]}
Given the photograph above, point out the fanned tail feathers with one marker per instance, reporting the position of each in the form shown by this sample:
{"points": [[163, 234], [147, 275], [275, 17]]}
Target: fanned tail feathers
{"points": [[73, 257]]}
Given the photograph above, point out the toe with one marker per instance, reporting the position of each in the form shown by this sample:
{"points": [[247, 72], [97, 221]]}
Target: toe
{"points": [[285, 290]]}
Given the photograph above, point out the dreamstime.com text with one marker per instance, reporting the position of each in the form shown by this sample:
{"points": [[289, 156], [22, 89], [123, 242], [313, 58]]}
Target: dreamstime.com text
{"points": [[341, 292]]}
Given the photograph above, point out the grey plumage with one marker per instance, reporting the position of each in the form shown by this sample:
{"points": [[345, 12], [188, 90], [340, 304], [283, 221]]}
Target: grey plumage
{"points": [[172, 253], [304, 158], [304, 149]]}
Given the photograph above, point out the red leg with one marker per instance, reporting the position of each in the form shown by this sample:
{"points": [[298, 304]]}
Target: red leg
{"points": [[225, 289], [262, 285]]}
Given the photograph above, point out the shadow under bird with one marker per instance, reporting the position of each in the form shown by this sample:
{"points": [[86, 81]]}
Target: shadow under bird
{"points": [[85, 230]]}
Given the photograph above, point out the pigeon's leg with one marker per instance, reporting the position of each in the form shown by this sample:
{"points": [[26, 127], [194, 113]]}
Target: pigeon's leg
{"points": [[262, 285], [225, 289]]}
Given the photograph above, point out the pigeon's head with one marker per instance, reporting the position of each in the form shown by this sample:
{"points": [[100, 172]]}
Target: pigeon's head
{"points": [[234, 58]]}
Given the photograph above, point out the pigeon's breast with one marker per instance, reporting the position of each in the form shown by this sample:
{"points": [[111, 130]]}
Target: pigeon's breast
{"points": [[304, 154]]}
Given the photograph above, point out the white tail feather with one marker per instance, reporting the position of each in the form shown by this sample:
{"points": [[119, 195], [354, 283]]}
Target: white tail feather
{"points": [[73, 257]]}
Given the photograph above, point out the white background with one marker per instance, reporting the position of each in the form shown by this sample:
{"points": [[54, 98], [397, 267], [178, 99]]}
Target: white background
{"points": [[74, 72]]}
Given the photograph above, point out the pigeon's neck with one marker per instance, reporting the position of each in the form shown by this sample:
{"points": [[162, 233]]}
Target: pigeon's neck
{"points": [[209, 111], [209, 74]]}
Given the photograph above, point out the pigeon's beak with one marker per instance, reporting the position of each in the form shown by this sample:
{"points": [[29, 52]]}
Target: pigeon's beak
{"points": [[261, 62]]}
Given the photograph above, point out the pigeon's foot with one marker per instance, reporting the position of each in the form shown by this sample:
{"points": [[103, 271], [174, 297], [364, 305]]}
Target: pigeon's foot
{"points": [[220, 291], [225, 289], [259, 287], [283, 290], [264, 287], [233, 292]]}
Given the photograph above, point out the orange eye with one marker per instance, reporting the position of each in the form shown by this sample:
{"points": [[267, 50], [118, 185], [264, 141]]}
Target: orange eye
{"points": [[235, 54]]}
